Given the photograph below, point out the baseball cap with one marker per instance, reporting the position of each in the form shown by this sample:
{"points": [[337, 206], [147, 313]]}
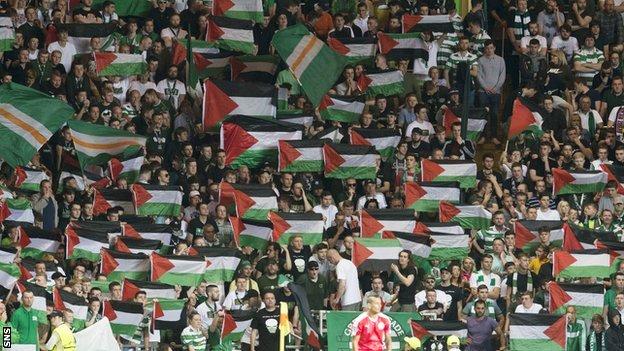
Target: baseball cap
{"points": [[312, 264], [57, 275], [454, 91], [194, 193], [452, 340], [417, 131], [429, 276], [412, 341], [245, 264]]}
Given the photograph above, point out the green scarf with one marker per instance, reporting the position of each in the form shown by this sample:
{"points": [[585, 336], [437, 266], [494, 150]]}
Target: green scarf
{"points": [[592, 341]]}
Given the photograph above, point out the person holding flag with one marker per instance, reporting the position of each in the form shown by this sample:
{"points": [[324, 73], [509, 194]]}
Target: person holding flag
{"points": [[371, 329]]}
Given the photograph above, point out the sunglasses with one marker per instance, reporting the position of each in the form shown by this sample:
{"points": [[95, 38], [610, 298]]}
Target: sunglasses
{"points": [[314, 269], [353, 185]]}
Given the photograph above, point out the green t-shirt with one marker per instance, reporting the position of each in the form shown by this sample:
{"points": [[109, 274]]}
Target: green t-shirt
{"points": [[26, 322], [609, 298], [316, 291], [576, 336]]}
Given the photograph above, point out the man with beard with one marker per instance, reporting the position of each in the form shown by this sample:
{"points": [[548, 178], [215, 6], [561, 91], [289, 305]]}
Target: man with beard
{"points": [[209, 309], [265, 324], [171, 88], [480, 328]]}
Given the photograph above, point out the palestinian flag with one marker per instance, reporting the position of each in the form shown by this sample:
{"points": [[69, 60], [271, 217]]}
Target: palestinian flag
{"points": [[198, 64], [578, 182], [253, 201], [385, 141], [418, 244], [179, 51], [434, 23], [295, 117], [402, 46], [385, 83], [234, 325], [80, 35], [525, 117], [123, 65], [342, 108], [332, 134], [580, 238], [527, 235], [96, 144], [371, 254], [39, 305], [7, 34], [251, 141], [117, 265], [424, 330], [615, 173], [85, 243], [133, 8], [64, 300], [137, 245], [223, 99], [447, 247], [468, 216], [130, 287], [442, 228], [357, 50], [28, 118], [177, 270], [253, 233], [157, 200], [36, 242], [250, 68], [27, 268], [161, 232], [345, 161], [308, 225], [582, 264], [103, 199], [5, 193], [460, 171], [300, 156], [537, 332], [213, 64], [426, 197], [315, 66], [475, 126], [9, 274], [124, 317], [8, 254], [231, 34], [17, 210], [113, 229], [83, 180], [167, 313], [393, 220], [28, 179], [240, 9], [586, 298], [221, 262]]}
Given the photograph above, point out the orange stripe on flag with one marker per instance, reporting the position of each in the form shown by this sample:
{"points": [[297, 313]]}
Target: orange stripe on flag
{"points": [[107, 146], [303, 53], [23, 125]]}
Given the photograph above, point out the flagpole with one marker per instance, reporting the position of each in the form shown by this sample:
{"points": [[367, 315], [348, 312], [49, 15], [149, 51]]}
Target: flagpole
{"points": [[465, 106]]}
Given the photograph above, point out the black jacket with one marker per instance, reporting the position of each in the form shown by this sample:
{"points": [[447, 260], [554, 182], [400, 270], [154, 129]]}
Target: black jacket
{"points": [[614, 336]]}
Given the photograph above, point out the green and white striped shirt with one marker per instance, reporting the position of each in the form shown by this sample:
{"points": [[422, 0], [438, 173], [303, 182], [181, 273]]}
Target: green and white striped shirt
{"points": [[194, 338], [477, 42], [588, 56], [457, 57], [450, 41], [488, 236]]}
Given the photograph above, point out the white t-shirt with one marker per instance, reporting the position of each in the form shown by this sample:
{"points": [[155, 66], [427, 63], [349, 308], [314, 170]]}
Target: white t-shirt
{"points": [[173, 89], [567, 46], [424, 125], [346, 270], [67, 53], [585, 119], [329, 213], [524, 42], [441, 297], [141, 87], [492, 280], [207, 313], [550, 215], [535, 308], [381, 200]]}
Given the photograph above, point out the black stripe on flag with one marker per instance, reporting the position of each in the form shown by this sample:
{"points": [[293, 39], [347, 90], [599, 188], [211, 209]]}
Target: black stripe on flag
{"points": [[127, 307], [533, 319], [255, 190], [140, 243], [98, 226], [583, 288], [116, 195], [392, 214], [253, 124], [88, 30], [376, 133], [232, 23], [206, 251], [126, 255], [247, 89], [344, 149]]}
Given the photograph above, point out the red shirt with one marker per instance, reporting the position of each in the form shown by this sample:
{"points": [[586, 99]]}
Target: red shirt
{"points": [[372, 332]]}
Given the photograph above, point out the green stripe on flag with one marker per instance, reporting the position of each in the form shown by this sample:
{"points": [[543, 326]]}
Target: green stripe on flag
{"points": [[533, 344], [159, 209]]}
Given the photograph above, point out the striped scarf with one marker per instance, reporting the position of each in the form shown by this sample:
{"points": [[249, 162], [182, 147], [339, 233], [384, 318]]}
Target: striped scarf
{"points": [[592, 341], [514, 280]]}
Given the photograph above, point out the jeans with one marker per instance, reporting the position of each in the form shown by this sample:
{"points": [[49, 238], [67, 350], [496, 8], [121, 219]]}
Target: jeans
{"points": [[492, 101]]}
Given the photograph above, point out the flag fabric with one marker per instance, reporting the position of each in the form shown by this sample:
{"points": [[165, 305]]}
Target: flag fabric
{"points": [[252, 68], [28, 119], [385, 141], [36, 242], [231, 34], [103, 199], [157, 200], [579, 238], [234, 325], [134, 8], [357, 50], [29, 179], [96, 144], [40, 294], [240, 9], [332, 134], [403, 46], [372, 254], [284, 325], [475, 126], [441, 228], [394, 220], [221, 262], [137, 245], [27, 268], [117, 265], [295, 117], [346, 109], [434, 23], [124, 316], [349, 161], [153, 290], [252, 141], [65, 300], [223, 99], [615, 173], [578, 182], [447, 247], [582, 264], [311, 331], [162, 232], [587, 299], [424, 330], [252, 233], [468, 216], [426, 196], [300, 156], [418, 244], [85, 243], [315, 66], [527, 235], [115, 64], [212, 64], [193, 64], [8, 255], [385, 83], [125, 168], [9, 274], [526, 116], [537, 332], [167, 313], [286, 225], [7, 34], [17, 210], [460, 171], [177, 270], [80, 35], [253, 201]]}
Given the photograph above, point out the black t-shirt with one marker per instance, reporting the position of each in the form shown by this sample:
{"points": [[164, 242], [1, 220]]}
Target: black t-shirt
{"points": [[540, 167], [196, 227], [299, 261], [215, 173], [406, 293], [266, 323], [457, 294], [435, 309]]}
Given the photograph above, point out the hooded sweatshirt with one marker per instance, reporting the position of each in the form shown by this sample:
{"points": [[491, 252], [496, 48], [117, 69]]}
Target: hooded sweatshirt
{"points": [[615, 334]]}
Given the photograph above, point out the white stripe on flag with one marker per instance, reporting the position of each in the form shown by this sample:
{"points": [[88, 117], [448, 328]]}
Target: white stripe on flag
{"points": [[253, 106], [367, 160], [303, 54], [191, 267], [384, 252], [528, 332], [237, 35], [448, 194], [458, 169], [268, 140], [35, 133]]}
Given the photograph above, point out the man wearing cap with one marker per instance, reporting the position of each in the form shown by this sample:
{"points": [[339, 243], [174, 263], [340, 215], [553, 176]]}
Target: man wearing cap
{"points": [[268, 281], [412, 343], [62, 338], [441, 296], [315, 285], [418, 145]]}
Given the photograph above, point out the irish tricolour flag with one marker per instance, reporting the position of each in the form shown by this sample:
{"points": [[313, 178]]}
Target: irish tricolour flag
{"points": [[124, 317], [252, 201], [349, 161], [342, 108], [308, 225], [386, 83], [374, 222], [578, 182], [177, 270], [157, 200], [427, 196], [375, 254], [114, 64], [231, 34], [463, 172], [537, 332], [586, 298], [252, 233], [468, 216], [582, 264], [384, 140], [241, 9], [300, 155]]}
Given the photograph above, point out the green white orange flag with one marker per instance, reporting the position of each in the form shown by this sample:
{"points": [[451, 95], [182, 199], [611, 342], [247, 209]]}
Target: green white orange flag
{"points": [[537, 332], [177, 270], [28, 118], [342, 108], [587, 299], [578, 182], [231, 34], [349, 161], [464, 172], [315, 66], [385, 83], [582, 264], [527, 233], [124, 317], [29, 179], [374, 254], [373, 222], [252, 233], [240, 9], [307, 225], [118, 265], [252, 201], [426, 197], [300, 155], [157, 200], [384, 140], [115, 64], [468, 216], [96, 144], [525, 117]]}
